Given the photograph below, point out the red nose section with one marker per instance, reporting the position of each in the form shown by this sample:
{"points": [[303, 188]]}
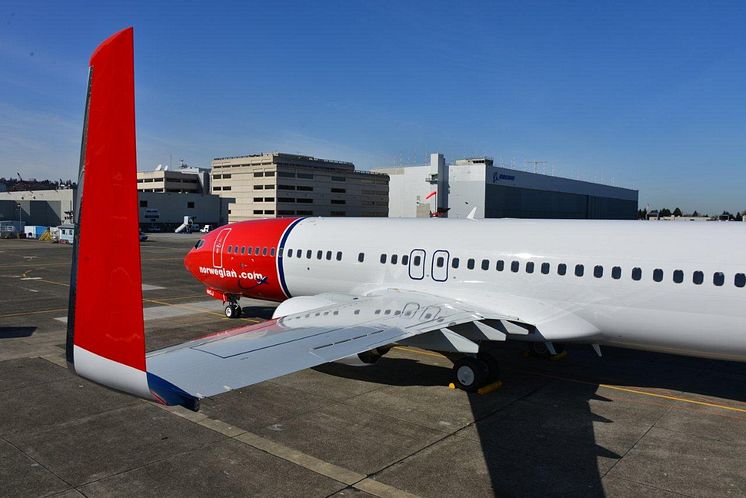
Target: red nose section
{"points": [[244, 259]]}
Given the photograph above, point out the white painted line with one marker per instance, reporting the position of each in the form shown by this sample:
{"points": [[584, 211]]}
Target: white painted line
{"points": [[175, 310], [31, 278], [148, 287]]}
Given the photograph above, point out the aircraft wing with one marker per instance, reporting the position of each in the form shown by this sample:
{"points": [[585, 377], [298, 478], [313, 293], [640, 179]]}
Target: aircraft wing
{"points": [[246, 355]]}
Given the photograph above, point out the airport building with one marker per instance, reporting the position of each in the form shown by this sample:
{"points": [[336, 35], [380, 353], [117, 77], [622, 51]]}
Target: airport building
{"points": [[500, 192], [185, 179], [37, 207], [277, 184]]}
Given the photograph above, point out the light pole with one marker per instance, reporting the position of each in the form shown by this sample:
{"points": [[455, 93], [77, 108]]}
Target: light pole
{"points": [[19, 219]]}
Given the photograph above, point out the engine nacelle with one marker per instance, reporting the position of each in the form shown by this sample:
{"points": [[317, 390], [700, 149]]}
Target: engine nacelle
{"points": [[366, 358], [306, 303]]}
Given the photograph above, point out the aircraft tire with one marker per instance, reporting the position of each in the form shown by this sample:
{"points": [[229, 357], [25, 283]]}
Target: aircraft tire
{"points": [[470, 373]]}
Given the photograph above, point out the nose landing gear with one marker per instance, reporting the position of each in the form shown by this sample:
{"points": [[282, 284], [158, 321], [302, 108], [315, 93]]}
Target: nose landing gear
{"points": [[232, 309]]}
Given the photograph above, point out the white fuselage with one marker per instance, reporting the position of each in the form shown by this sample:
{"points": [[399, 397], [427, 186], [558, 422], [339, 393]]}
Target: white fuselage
{"points": [[673, 315]]}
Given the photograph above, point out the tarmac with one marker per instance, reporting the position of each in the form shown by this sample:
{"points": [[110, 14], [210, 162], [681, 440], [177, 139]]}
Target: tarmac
{"points": [[626, 424]]}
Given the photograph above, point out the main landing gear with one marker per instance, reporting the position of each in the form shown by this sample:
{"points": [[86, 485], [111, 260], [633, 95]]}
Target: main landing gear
{"points": [[473, 372], [232, 309]]}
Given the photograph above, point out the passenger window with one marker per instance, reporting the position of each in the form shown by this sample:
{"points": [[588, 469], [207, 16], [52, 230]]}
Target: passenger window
{"points": [[698, 277], [319, 254], [256, 251], [658, 275], [361, 257], [616, 273], [248, 250], [455, 263], [383, 258], [394, 258], [678, 276], [598, 271], [500, 265], [636, 274], [579, 270], [230, 249], [718, 278], [272, 251], [339, 255], [530, 267], [440, 262], [417, 260], [470, 263], [299, 253], [485, 264], [328, 255], [561, 269], [515, 266], [243, 249], [405, 259], [264, 251], [739, 280], [545, 268]]}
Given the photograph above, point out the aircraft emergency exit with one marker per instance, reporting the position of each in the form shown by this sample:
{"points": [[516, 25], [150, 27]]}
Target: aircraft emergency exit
{"points": [[351, 287]]}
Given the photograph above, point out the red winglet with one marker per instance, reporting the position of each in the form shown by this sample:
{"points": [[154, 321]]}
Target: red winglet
{"points": [[105, 315]]}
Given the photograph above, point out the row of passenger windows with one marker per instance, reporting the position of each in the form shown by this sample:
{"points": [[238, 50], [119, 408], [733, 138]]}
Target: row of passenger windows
{"points": [[678, 276]]}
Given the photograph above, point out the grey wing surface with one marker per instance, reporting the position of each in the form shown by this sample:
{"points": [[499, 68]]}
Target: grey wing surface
{"points": [[247, 355]]}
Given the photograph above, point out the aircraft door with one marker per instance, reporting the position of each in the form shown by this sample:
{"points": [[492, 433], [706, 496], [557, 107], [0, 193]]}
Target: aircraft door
{"points": [[217, 248], [417, 264], [440, 262]]}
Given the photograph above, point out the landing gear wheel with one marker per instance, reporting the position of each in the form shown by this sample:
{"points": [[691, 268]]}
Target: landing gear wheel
{"points": [[471, 373], [232, 310]]}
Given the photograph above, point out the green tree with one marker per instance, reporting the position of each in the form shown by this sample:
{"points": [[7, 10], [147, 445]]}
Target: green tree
{"points": [[677, 212], [665, 212]]}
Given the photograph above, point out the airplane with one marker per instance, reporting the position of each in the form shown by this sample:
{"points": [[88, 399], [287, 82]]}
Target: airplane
{"points": [[349, 288]]}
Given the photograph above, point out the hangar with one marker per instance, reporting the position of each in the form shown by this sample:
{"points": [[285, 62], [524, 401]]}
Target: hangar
{"points": [[500, 192]]}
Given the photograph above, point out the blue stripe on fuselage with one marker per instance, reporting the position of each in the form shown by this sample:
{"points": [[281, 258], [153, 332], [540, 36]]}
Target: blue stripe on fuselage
{"points": [[280, 269]]}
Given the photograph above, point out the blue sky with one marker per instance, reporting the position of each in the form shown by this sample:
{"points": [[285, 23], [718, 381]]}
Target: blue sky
{"points": [[646, 95]]}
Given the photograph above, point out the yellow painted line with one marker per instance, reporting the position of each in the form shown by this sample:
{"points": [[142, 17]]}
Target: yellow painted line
{"points": [[26, 313], [606, 386], [67, 263], [200, 310]]}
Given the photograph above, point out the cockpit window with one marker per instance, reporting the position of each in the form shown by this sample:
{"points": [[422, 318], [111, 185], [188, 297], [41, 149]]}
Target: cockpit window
{"points": [[199, 243]]}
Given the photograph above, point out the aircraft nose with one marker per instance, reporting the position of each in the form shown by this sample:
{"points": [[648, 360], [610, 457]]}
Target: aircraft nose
{"points": [[190, 260]]}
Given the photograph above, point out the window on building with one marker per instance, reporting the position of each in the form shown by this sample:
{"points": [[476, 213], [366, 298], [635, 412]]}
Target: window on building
{"points": [[470, 263], [304, 188], [616, 273], [226, 188], [258, 211], [285, 174], [338, 190], [227, 176], [515, 266], [718, 278], [143, 204], [285, 187], [394, 259], [545, 268], [678, 276], [598, 271], [658, 275], [530, 267], [383, 258], [339, 255], [579, 270], [338, 178], [304, 201], [286, 199], [258, 187], [305, 176], [361, 257], [338, 201], [269, 187], [258, 199], [636, 273], [739, 280], [455, 262], [269, 173]]}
